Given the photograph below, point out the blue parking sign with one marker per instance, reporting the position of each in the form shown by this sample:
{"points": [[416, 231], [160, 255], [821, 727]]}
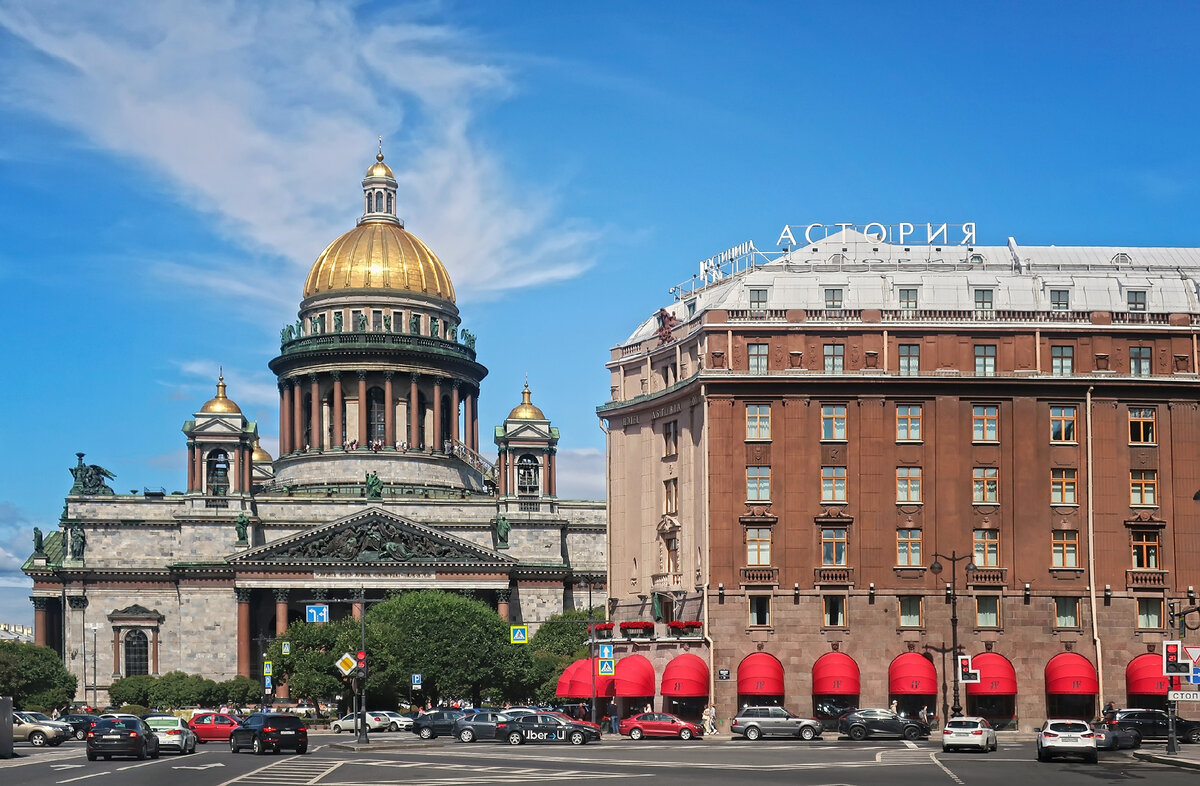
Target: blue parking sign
{"points": [[416, 680]]}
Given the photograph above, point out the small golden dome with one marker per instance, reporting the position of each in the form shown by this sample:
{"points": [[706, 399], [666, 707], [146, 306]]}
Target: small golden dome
{"points": [[380, 169], [220, 404], [526, 410], [260, 454], [379, 255]]}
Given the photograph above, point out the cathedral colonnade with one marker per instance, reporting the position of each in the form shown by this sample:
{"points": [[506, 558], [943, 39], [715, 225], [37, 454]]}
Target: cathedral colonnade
{"points": [[215, 465]]}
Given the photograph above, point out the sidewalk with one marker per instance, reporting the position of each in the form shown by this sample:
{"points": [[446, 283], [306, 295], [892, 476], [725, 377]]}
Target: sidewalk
{"points": [[1188, 756]]}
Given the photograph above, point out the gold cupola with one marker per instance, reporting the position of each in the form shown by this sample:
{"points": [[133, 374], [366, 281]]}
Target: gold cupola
{"points": [[220, 404], [259, 454], [526, 409]]}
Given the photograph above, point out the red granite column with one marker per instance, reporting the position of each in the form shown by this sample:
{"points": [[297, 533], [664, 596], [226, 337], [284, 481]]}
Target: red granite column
{"points": [[191, 462], [502, 473], [116, 651], [468, 425], [198, 458], [39, 620], [356, 610], [454, 409], [435, 442], [248, 458], [339, 433], [297, 416], [414, 424], [314, 420], [389, 411], [502, 599], [362, 409], [284, 443], [475, 422], [281, 623], [154, 652], [551, 475], [243, 631]]}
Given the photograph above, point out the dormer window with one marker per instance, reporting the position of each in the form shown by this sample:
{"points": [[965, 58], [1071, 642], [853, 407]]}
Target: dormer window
{"points": [[1136, 299], [1060, 299], [833, 298]]}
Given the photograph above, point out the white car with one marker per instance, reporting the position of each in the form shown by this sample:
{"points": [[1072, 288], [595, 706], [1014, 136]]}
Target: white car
{"points": [[349, 722], [968, 732], [1066, 737], [173, 733], [398, 722]]}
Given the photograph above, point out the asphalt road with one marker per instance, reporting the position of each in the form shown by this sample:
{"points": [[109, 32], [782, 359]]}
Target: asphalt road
{"points": [[402, 759]]}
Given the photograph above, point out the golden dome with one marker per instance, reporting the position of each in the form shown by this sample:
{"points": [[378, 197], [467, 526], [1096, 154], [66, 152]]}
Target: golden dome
{"points": [[379, 255], [380, 169], [526, 410], [260, 454], [220, 404]]}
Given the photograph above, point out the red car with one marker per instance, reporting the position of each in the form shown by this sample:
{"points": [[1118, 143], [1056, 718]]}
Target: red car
{"points": [[659, 724], [214, 726]]}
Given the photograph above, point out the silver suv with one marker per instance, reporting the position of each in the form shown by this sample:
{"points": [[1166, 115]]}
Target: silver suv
{"points": [[756, 722]]}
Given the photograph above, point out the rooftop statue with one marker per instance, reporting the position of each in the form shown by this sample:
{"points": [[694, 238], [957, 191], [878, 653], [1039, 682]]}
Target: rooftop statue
{"points": [[89, 479], [666, 325]]}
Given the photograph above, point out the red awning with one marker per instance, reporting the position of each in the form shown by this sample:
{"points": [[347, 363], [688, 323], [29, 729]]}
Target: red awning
{"points": [[686, 676], [563, 690], [835, 674], [579, 681], [760, 674], [1144, 676], [635, 677], [996, 676], [911, 673], [1071, 673]]}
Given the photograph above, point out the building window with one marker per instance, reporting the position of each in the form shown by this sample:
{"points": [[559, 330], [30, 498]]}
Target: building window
{"points": [[1150, 613], [1145, 548], [670, 438], [760, 611], [1062, 424], [910, 611], [758, 421], [1143, 487], [1066, 612], [833, 546], [833, 484], [985, 485], [908, 422], [986, 543], [1062, 361], [1136, 299], [908, 548], [1139, 361], [137, 654], [758, 545], [758, 299], [671, 496], [671, 552], [908, 484], [835, 355], [1062, 486], [833, 422], [985, 360], [987, 611], [757, 355], [758, 484], [835, 611], [908, 299], [376, 415], [1060, 299], [983, 303], [527, 475], [1064, 548], [910, 360], [357, 323], [833, 298], [1141, 424], [376, 320], [984, 421]]}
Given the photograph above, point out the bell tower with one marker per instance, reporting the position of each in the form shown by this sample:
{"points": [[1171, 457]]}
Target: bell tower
{"points": [[527, 445], [221, 446]]}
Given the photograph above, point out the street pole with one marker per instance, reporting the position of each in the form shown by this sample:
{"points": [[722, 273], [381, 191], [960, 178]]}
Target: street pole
{"points": [[591, 649], [95, 676], [936, 568], [362, 680]]}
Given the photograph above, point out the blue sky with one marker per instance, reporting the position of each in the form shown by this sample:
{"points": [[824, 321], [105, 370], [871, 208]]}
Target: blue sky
{"points": [[169, 171]]}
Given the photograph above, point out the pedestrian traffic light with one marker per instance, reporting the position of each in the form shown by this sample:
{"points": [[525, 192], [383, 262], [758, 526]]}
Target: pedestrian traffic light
{"points": [[1173, 661], [965, 673], [361, 664]]}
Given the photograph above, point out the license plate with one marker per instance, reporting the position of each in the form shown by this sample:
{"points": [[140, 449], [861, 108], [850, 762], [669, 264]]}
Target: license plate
{"points": [[1069, 738], [112, 736], [287, 732]]}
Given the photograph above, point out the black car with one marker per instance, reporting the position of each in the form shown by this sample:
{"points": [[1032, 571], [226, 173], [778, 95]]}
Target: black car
{"points": [[121, 737], [547, 727], [265, 731], [82, 724], [435, 722], [482, 725], [860, 724], [1152, 725]]}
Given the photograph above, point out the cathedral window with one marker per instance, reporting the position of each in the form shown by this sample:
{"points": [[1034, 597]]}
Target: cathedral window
{"points": [[218, 473], [375, 415], [378, 201], [527, 475], [389, 203], [137, 654]]}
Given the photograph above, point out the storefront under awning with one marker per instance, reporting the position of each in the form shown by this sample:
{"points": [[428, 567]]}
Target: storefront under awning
{"points": [[835, 674], [912, 674], [685, 676], [1069, 673], [760, 674]]}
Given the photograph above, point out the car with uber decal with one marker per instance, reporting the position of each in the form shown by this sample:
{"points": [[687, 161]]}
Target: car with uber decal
{"points": [[549, 727]]}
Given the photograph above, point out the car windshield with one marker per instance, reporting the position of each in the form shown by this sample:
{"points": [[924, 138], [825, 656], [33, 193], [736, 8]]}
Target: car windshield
{"points": [[163, 722], [37, 716], [1069, 726], [960, 724]]}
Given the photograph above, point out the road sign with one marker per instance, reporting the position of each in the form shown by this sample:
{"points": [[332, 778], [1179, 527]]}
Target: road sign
{"points": [[605, 667], [606, 651], [1195, 675], [518, 634], [346, 664], [1192, 653], [268, 668], [286, 648], [723, 674], [1174, 662], [267, 684], [316, 613], [1183, 695], [416, 680]]}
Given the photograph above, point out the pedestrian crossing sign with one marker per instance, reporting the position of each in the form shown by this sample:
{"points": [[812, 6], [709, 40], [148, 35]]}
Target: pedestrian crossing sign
{"points": [[518, 634], [606, 667]]}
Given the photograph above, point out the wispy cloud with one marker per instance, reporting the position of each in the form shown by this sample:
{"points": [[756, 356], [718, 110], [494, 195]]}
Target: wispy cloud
{"points": [[581, 474], [263, 115]]}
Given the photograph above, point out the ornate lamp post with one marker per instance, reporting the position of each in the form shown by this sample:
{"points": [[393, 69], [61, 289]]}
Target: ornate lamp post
{"points": [[590, 581], [936, 568]]}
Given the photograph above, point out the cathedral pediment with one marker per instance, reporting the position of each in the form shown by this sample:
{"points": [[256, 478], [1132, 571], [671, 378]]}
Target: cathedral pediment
{"points": [[527, 430], [374, 537], [223, 426]]}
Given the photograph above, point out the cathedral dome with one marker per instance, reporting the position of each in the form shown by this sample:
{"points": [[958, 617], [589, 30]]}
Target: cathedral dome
{"points": [[259, 454], [380, 169], [379, 255], [220, 404], [526, 410]]}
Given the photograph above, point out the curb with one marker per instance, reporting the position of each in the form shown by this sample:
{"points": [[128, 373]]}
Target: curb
{"points": [[1162, 758]]}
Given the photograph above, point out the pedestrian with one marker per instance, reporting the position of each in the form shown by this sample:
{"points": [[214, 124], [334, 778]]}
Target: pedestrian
{"points": [[895, 705], [708, 717], [924, 715], [1110, 710], [647, 708], [611, 712]]}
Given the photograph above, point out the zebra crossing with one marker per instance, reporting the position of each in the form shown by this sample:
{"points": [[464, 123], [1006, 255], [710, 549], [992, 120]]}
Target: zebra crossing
{"points": [[299, 771]]}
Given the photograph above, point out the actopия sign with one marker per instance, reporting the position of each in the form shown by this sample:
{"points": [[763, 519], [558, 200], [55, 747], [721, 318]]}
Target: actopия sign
{"points": [[896, 234]]}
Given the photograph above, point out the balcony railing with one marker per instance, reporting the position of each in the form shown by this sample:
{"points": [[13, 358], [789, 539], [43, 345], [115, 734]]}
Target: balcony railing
{"points": [[759, 575], [666, 580], [1141, 578], [833, 575], [987, 576]]}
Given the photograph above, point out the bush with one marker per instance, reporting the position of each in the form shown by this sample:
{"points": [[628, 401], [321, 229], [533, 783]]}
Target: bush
{"points": [[134, 709]]}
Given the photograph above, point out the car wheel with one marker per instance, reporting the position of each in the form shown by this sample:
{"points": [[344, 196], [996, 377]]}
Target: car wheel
{"points": [[685, 734], [1092, 757], [514, 738], [466, 735], [1193, 736], [577, 738], [141, 754], [233, 746], [301, 749], [256, 746], [37, 739], [337, 729], [858, 733], [1042, 756], [81, 734], [91, 756], [807, 733], [426, 733], [393, 727], [753, 733], [911, 732], [995, 745], [156, 753], [635, 734]]}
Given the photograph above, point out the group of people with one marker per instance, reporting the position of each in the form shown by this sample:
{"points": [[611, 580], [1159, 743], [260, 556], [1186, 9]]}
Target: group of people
{"points": [[925, 715]]}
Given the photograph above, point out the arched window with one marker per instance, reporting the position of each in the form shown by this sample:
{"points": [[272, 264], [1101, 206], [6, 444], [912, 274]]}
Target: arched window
{"points": [[218, 473], [137, 653], [527, 475], [389, 202], [375, 414], [367, 209], [378, 201], [306, 420]]}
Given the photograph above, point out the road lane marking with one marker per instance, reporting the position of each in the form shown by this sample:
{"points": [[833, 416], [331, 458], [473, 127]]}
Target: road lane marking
{"points": [[84, 777], [933, 757]]}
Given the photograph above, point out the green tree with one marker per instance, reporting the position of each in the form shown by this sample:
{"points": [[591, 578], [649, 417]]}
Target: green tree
{"points": [[565, 634], [309, 668], [34, 676], [239, 691], [131, 690]]}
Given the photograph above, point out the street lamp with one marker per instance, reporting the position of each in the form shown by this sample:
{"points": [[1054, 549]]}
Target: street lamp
{"points": [[95, 626], [590, 582], [936, 569]]}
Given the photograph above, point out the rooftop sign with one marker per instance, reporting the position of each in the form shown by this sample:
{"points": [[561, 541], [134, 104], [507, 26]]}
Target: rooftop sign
{"points": [[895, 234]]}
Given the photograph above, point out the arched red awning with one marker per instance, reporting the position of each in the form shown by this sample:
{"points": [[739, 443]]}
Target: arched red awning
{"points": [[686, 676], [1144, 676], [580, 684], [1069, 673], [835, 674], [911, 673], [996, 676], [635, 677], [563, 689], [760, 674]]}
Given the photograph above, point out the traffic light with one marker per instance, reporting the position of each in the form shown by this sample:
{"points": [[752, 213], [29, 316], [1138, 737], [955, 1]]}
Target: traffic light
{"points": [[361, 664], [965, 673], [1171, 615], [949, 593], [1173, 662]]}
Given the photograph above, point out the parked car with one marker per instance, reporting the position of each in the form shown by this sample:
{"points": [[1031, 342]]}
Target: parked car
{"points": [[550, 727], [1111, 737], [173, 733], [436, 722], [376, 721], [659, 724], [756, 722], [275, 731], [126, 736], [399, 722], [969, 732], [80, 723], [567, 717], [1066, 737], [1152, 725], [39, 729], [860, 724], [484, 725], [214, 726]]}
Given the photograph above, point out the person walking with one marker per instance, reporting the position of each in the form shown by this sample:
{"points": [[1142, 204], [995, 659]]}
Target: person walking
{"points": [[611, 712], [710, 720]]}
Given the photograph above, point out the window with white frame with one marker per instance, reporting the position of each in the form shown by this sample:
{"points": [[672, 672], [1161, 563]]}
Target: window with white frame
{"points": [[910, 360], [1149, 611], [910, 611], [1066, 612], [1060, 299], [987, 611], [756, 355]]}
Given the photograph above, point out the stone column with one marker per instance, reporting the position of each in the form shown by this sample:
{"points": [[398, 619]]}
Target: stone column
{"points": [[199, 462], [153, 651], [362, 409], [314, 420], [285, 419], [551, 475], [243, 631], [281, 623], [475, 422], [468, 426], [248, 459], [191, 462], [389, 411], [116, 652], [414, 425], [454, 409], [501, 473], [297, 416], [40, 606], [502, 598], [435, 442], [339, 434]]}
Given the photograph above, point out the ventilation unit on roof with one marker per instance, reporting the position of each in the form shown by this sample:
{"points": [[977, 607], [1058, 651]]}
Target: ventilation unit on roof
{"points": [[838, 259], [977, 259], [1121, 258]]}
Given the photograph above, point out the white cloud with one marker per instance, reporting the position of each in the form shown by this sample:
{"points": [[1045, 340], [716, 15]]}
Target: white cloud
{"points": [[263, 115], [581, 474]]}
